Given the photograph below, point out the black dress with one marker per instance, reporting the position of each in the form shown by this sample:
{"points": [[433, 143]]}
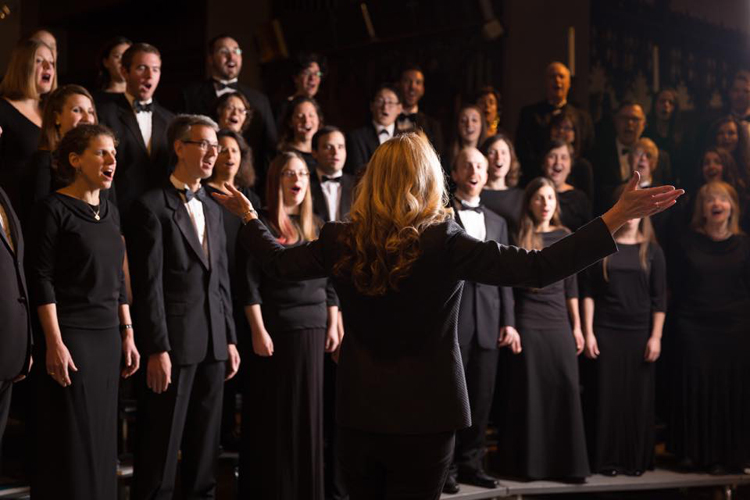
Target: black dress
{"points": [[77, 265], [575, 208], [620, 390], [19, 140], [582, 176], [507, 204], [542, 436], [282, 430], [711, 410]]}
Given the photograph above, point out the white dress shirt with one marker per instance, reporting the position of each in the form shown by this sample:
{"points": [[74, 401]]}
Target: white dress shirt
{"points": [[472, 221], [331, 193], [144, 119], [382, 137], [194, 209], [5, 225]]}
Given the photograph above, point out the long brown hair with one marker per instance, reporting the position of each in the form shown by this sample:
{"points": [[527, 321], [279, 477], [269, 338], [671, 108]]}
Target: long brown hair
{"points": [[400, 195], [527, 236], [50, 136], [289, 232], [514, 172], [19, 81]]}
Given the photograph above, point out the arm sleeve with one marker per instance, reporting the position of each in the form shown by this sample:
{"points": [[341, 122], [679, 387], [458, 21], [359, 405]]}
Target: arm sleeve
{"points": [[586, 281], [151, 333], [495, 264], [253, 275], [571, 287], [658, 280], [331, 298], [46, 228]]}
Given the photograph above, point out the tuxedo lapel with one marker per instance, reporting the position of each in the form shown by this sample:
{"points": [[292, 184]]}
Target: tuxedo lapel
{"points": [[159, 127], [213, 226], [183, 221], [492, 229], [319, 200], [347, 186], [127, 117]]}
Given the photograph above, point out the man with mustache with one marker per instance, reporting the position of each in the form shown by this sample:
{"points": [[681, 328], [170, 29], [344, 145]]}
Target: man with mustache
{"points": [[534, 122], [224, 58], [140, 125]]}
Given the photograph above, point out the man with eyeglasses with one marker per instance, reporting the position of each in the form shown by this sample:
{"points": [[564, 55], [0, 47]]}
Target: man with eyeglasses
{"points": [[224, 57], [140, 125], [183, 316], [611, 158], [307, 75], [362, 142]]}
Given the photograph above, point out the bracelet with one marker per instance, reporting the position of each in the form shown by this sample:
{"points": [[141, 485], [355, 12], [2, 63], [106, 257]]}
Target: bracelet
{"points": [[126, 327], [246, 217]]}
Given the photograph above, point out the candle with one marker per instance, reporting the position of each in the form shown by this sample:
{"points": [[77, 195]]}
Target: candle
{"points": [[572, 50]]}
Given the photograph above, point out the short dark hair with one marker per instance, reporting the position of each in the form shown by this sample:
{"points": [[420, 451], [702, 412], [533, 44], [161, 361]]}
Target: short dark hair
{"points": [[410, 66], [305, 59], [212, 42], [324, 131], [246, 173], [387, 86], [128, 55], [626, 104], [102, 77], [179, 128], [75, 142]]}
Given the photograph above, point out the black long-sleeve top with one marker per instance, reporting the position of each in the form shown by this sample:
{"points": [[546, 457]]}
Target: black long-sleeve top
{"points": [[76, 261], [288, 305], [18, 142], [507, 204], [628, 300], [546, 307], [575, 208]]}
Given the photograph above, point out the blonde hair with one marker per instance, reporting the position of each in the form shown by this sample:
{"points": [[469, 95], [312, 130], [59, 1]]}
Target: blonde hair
{"points": [[717, 187], [528, 238], [400, 195], [19, 81], [650, 148], [289, 232]]}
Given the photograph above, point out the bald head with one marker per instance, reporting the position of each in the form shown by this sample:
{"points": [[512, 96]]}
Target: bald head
{"points": [[558, 83]]}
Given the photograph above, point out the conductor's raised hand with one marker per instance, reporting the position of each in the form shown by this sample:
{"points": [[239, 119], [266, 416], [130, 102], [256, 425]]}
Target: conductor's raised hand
{"points": [[235, 201], [635, 203]]}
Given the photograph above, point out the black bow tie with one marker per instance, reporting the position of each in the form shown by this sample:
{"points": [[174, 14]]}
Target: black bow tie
{"points": [[221, 85], [325, 178], [384, 131], [189, 195], [143, 107], [624, 151], [466, 206], [412, 117]]}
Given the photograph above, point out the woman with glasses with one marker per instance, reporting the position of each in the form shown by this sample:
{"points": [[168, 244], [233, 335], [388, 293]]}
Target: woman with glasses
{"points": [[233, 112], [292, 325]]}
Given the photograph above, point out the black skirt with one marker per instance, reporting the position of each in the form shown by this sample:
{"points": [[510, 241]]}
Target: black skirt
{"points": [[710, 422], [77, 425], [282, 421], [542, 436], [620, 397]]}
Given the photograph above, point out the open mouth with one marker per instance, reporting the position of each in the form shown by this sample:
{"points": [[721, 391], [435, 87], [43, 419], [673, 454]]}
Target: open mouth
{"points": [[46, 77], [717, 211], [557, 169], [234, 120], [109, 173]]}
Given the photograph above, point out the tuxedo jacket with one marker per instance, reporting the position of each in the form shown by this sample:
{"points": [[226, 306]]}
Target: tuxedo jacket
{"points": [[607, 176], [484, 308], [15, 332], [182, 300], [320, 206], [533, 133], [432, 128], [400, 369], [360, 145], [137, 170], [200, 98]]}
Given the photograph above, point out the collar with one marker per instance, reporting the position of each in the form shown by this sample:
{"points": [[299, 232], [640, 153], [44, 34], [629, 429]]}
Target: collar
{"points": [[474, 202], [390, 128], [131, 99], [178, 184], [621, 146], [225, 82], [334, 175]]}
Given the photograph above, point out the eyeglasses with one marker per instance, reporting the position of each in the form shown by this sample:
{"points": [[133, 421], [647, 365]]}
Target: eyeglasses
{"points": [[295, 173], [383, 102], [225, 51], [306, 73], [232, 109], [204, 145]]}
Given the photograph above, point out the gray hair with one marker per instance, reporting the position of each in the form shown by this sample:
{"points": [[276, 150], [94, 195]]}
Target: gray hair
{"points": [[179, 129]]}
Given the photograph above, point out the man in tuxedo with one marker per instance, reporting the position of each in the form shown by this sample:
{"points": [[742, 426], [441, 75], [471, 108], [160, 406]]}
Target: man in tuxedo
{"points": [[224, 57], [15, 333], [411, 86], [183, 312], [140, 125], [611, 157], [331, 188], [385, 108], [485, 322], [534, 121]]}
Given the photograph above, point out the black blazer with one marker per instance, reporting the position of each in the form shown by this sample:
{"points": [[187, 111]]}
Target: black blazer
{"points": [[182, 302], [15, 332], [200, 98], [484, 308], [431, 127], [320, 207], [400, 370], [137, 170], [360, 145]]}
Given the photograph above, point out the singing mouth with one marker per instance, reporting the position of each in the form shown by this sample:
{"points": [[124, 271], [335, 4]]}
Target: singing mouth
{"points": [[109, 173]]}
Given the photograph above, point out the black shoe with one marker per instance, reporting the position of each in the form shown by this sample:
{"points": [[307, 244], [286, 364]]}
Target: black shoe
{"points": [[478, 478], [608, 472], [451, 485]]}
